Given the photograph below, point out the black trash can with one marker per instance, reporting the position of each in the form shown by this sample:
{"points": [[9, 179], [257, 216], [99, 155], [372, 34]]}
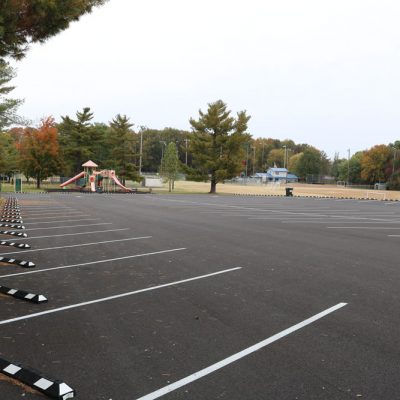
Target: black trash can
{"points": [[289, 192]]}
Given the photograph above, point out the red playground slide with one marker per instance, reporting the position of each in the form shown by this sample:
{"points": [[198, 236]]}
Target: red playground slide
{"points": [[116, 180], [75, 178]]}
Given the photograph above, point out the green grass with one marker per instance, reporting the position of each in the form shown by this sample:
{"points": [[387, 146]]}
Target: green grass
{"points": [[27, 187]]}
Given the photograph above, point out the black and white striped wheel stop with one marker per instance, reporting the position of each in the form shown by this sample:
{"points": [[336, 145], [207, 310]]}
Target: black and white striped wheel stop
{"points": [[23, 295], [21, 263], [12, 233], [11, 216], [12, 226], [15, 221], [50, 387], [17, 245]]}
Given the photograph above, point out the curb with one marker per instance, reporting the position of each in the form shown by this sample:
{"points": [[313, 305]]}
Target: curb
{"points": [[314, 197], [23, 295], [21, 263], [17, 245], [12, 233], [50, 387]]}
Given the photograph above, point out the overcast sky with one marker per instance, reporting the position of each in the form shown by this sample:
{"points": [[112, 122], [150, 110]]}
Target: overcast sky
{"points": [[323, 72]]}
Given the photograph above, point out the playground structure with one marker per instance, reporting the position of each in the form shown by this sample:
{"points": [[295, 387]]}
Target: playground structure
{"points": [[104, 180]]}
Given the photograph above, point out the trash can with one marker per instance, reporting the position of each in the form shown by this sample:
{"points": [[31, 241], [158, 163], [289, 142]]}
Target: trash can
{"points": [[289, 192]]}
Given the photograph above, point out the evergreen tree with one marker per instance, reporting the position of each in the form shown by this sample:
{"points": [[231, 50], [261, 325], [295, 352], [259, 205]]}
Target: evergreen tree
{"points": [[23, 22], [217, 143], [8, 107], [79, 140], [121, 148]]}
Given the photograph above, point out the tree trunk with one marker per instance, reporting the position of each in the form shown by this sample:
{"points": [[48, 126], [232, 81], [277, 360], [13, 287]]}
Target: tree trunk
{"points": [[213, 184], [38, 181], [169, 185]]}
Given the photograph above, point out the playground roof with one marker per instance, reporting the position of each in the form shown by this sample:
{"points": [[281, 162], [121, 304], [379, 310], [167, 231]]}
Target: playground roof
{"points": [[90, 164]]}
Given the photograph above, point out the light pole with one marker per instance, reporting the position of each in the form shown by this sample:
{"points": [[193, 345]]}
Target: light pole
{"points": [[285, 156], [247, 159], [262, 157], [254, 159], [348, 167], [394, 160], [186, 149], [141, 151], [163, 142]]}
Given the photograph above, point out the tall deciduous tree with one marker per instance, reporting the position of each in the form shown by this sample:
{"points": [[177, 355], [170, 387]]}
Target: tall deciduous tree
{"points": [[170, 165], [217, 143], [312, 162], [39, 151], [374, 163], [8, 107], [276, 157], [23, 22]]}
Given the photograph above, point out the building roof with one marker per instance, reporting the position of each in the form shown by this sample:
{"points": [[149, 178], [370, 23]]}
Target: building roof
{"points": [[278, 169], [89, 164]]}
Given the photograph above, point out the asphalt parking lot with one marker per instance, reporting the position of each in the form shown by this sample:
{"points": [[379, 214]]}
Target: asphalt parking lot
{"points": [[205, 297]]}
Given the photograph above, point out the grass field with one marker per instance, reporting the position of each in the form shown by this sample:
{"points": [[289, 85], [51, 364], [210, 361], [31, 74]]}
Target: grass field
{"points": [[298, 190], [188, 187]]}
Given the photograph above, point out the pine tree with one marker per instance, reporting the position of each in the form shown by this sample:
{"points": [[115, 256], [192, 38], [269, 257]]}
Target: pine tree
{"points": [[23, 22], [79, 140], [217, 145], [8, 106], [121, 148]]}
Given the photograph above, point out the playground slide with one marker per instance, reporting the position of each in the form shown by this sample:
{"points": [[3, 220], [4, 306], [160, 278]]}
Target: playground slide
{"points": [[75, 178], [116, 180]]}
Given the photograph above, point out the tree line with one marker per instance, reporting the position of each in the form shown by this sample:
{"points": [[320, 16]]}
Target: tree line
{"points": [[217, 147]]}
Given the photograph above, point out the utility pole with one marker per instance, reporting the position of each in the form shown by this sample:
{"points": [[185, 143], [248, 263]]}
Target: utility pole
{"points": [[186, 149], [348, 167], [394, 160], [163, 142], [141, 151], [284, 157], [247, 159], [262, 157], [254, 159]]}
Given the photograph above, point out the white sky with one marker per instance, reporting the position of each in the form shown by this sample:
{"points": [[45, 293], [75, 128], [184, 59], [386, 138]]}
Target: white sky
{"points": [[323, 72]]}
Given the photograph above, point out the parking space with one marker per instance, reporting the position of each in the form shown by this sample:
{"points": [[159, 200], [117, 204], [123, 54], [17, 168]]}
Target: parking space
{"points": [[200, 297]]}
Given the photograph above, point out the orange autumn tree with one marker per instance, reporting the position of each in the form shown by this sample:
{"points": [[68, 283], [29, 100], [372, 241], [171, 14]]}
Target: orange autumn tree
{"points": [[39, 152]]}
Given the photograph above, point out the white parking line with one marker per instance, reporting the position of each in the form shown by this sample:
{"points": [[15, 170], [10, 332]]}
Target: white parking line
{"points": [[37, 271], [59, 216], [229, 360], [117, 296], [38, 214], [394, 235], [360, 227], [68, 226], [72, 234], [77, 245], [67, 220]]}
